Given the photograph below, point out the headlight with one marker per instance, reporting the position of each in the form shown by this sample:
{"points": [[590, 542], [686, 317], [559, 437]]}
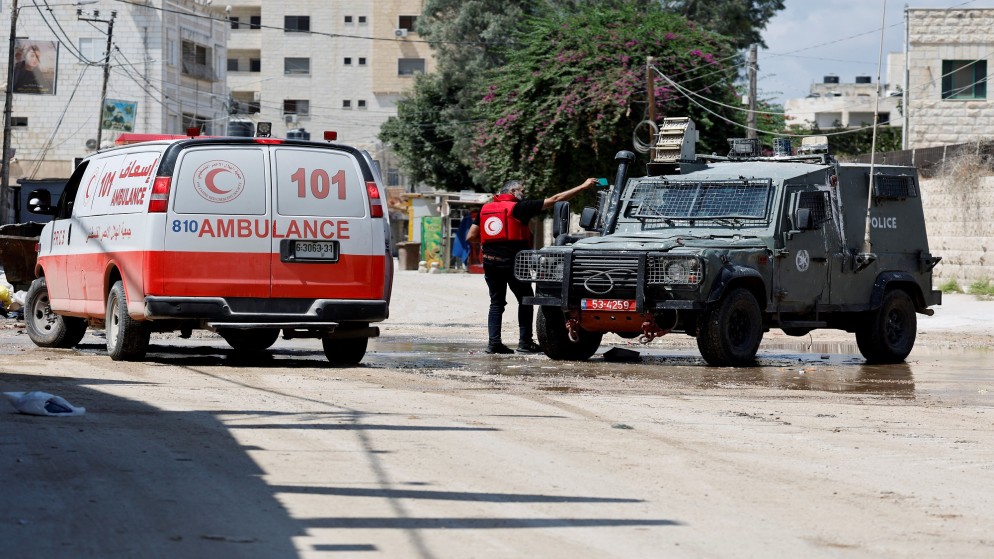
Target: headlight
{"points": [[675, 270], [534, 265]]}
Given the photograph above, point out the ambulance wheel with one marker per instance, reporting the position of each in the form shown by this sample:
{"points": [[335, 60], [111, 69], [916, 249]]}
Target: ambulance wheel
{"points": [[347, 351], [888, 335], [127, 338], [259, 339], [731, 331], [554, 337], [45, 328]]}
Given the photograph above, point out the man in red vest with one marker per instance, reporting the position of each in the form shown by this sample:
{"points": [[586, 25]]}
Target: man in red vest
{"points": [[503, 230]]}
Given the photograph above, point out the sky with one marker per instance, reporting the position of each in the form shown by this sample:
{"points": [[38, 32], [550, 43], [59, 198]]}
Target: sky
{"points": [[810, 39]]}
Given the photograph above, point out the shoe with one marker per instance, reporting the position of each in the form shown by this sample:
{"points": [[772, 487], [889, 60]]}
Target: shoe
{"points": [[529, 347], [499, 348]]}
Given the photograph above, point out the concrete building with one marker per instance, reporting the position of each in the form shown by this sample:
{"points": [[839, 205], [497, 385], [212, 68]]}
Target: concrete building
{"points": [[167, 72], [837, 104], [317, 65], [949, 53]]}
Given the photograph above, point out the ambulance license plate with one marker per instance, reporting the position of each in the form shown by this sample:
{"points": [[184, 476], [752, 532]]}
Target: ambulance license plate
{"points": [[322, 251], [620, 305]]}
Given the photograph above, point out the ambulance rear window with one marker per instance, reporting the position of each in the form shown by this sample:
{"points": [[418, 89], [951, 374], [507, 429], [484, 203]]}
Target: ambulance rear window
{"points": [[316, 182], [221, 181]]}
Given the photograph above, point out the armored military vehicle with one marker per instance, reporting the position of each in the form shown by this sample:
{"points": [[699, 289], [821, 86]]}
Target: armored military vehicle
{"points": [[724, 248]]}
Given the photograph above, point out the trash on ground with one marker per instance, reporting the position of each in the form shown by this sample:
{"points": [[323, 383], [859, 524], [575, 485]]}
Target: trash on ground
{"points": [[42, 403], [621, 354]]}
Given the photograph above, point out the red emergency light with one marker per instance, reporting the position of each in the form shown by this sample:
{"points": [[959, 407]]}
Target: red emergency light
{"points": [[330, 135]]}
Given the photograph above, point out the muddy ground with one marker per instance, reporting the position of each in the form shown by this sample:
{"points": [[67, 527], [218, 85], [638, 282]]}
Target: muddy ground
{"points": [[433, 449]]}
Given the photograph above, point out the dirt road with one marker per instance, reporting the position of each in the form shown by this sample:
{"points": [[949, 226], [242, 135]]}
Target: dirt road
{"points": [[432, 449]]}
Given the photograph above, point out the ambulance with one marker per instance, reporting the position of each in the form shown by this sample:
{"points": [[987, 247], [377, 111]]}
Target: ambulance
{"points": [[246, 237]]}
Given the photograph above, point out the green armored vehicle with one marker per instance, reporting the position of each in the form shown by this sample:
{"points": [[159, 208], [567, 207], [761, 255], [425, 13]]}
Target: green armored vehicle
{"points": [[724, 248]]}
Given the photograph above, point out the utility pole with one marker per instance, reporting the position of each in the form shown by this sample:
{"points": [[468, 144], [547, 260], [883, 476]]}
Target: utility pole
{"points": [[651, 86], [751, 118], [103, 91], [8, 103]]}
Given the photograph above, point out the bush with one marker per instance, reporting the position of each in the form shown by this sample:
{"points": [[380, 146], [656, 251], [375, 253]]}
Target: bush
{"points": [[951, 286], [982, 287]]}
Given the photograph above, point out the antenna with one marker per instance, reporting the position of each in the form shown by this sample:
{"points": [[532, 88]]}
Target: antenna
{"points": [[867, 244]]}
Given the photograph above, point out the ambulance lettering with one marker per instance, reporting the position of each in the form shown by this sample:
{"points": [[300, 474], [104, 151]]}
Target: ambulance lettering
{"points": [[262, 228], [105, 183], [129, 197], [135, 170]]}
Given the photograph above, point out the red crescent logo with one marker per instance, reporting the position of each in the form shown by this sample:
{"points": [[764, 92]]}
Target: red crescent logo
{"points": [[209, 181], [89, 184]]}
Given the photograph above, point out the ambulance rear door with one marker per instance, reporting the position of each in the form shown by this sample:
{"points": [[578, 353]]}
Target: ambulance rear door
{"points": [[217, 238], [325, 243]]}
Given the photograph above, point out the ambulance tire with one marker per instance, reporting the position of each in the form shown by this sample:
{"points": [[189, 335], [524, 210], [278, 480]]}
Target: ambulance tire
{"points": [[344, 352], [45, 328], [127, 338], [259, 339]]}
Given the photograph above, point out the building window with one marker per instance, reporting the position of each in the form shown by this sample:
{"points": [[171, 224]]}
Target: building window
{"points": [[296, 23], [348, 20], [232, 64], [407, 22], [362, 20], [18, 121], [196, 61], [255, 22], [362, 60], [347, 61], [195, 121], [296, 65], [234, 22], [410, 66], [346, 104], [361, 103], [964, 79], [255, 64], [300, 107], [91, 49]]}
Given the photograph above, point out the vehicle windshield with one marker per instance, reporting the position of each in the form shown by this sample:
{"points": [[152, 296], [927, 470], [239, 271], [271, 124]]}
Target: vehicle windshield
{"points": [[700, 200]]}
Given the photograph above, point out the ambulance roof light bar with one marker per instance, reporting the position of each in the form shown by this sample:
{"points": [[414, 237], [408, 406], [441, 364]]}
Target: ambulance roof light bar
{"points": [[193, 131], [330, 135]]}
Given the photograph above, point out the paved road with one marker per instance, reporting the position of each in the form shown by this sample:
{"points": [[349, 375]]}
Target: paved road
{"points": [[432, 449]]}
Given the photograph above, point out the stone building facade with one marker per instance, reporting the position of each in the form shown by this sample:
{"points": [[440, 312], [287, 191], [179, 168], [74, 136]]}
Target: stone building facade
{"points": [[167, 59], [950, 55]]}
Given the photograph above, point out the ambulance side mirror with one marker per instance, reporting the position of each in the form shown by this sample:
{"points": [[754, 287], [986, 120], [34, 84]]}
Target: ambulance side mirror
{"points": [[40, 202]]}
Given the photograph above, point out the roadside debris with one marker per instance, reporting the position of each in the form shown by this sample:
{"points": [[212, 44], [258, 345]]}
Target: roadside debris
{"points": [[42, 403], [621, 354]]}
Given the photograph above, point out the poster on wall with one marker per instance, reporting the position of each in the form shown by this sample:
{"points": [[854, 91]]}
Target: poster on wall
{"points": [[36, 67], [119, 115], [431, 240]]}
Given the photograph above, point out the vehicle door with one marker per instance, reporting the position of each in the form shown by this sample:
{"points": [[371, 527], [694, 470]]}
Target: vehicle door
{"points": [[803, 265], [63, 226], [324, 243], [109, 213], [217, 231]]}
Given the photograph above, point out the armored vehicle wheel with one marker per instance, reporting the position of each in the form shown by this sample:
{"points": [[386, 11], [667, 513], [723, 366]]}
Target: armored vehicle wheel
{"points": [[127, 339], [554, 338], [45, 328], [345, 351], [259, 339], [888, 335], [731, 330]]}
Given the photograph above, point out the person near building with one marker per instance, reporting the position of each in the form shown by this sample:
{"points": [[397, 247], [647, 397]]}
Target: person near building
{"points": [[502, 228]]}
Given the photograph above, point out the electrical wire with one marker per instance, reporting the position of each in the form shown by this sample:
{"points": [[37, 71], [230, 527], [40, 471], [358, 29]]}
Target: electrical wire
{"points": [[48, 144]]}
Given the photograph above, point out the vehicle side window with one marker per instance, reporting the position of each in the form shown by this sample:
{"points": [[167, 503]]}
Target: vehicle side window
{"points": [[314, 182], [817, 202], [68, 199], [221, 181]]}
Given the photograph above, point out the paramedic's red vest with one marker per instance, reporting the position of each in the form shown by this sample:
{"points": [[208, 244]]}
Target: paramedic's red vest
{"points": [[497, 223]]}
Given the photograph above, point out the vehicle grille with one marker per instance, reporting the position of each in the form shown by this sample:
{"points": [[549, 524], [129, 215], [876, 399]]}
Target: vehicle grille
{"points": [[600, 274]]}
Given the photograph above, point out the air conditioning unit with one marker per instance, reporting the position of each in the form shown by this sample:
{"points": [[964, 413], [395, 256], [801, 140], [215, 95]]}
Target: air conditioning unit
{"points": [[400, 32], [257, 96], [290, 119]]}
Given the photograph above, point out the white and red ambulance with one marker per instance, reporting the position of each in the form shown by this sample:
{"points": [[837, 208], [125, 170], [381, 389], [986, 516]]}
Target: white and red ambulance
{"points": [[248, 237]]}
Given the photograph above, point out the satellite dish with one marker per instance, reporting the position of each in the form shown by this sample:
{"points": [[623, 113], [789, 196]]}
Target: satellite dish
{"points": [[91, 143]]}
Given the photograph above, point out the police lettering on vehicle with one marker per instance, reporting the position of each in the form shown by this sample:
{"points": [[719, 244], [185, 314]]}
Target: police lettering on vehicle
{"points": [[883, 222]]}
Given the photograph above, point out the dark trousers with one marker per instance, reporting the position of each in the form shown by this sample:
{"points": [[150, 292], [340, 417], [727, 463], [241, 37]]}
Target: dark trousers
{"points": [[499, 278]]}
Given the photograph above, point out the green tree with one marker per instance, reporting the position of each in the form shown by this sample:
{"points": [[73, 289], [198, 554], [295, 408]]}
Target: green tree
{"points": [[574, 89], [739, 19]]}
